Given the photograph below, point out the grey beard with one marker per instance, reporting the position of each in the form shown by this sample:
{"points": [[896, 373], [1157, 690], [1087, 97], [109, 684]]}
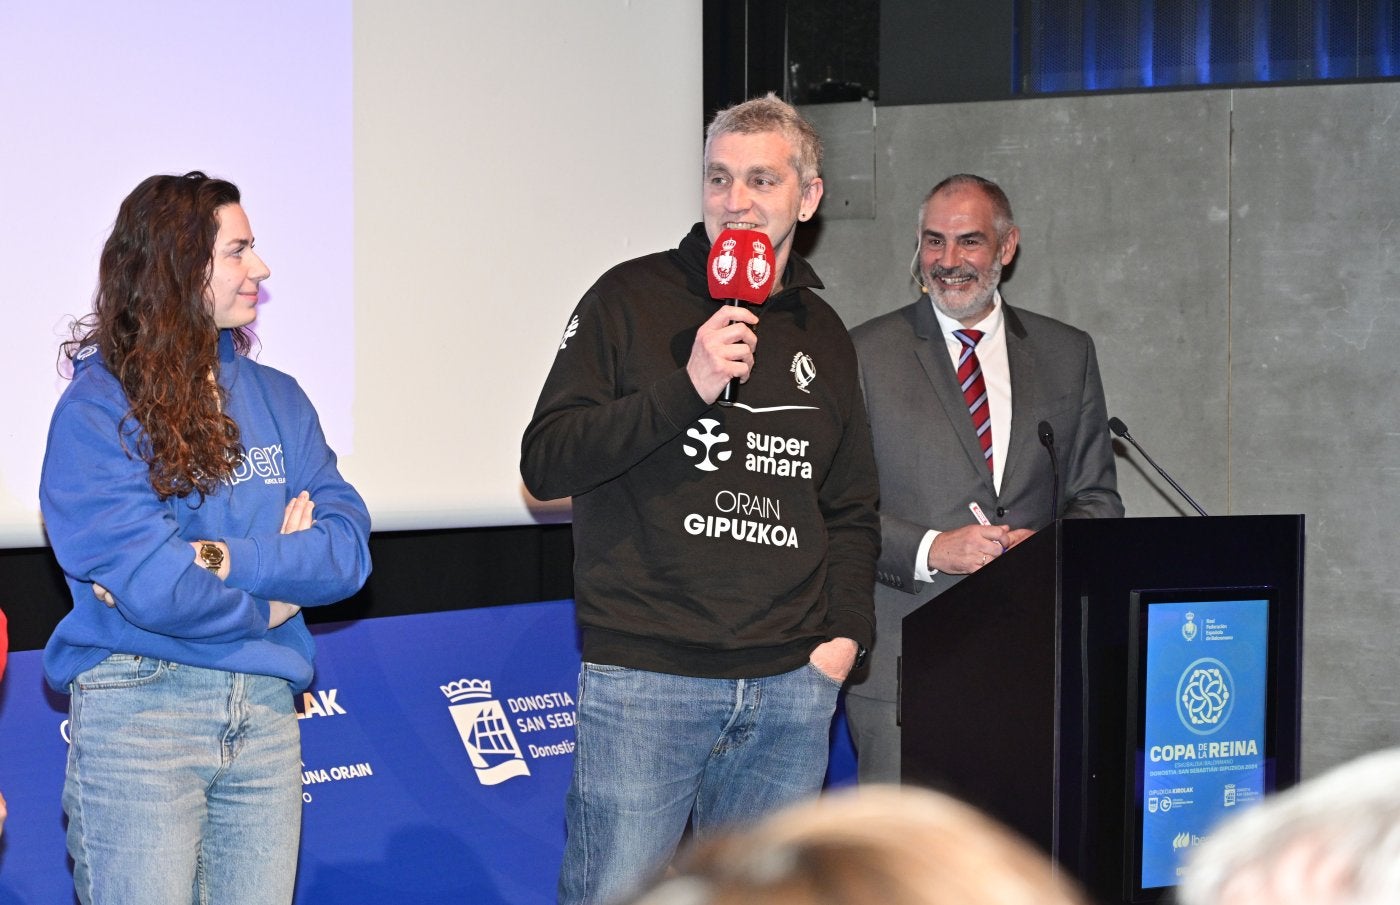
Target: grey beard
{"points": [[978, 304]]}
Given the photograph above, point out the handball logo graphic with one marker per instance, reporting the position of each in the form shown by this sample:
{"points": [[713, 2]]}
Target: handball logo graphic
{"points": [[709, 439], [1205, 696], [804, 371], [485, 731], [1188, 631]]}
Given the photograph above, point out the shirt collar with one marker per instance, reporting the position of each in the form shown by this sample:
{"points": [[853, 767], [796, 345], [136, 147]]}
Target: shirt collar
{"points": [[989, 325]]}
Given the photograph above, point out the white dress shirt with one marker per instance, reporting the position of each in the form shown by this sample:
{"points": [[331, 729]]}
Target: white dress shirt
{"points": [[991, 353]]}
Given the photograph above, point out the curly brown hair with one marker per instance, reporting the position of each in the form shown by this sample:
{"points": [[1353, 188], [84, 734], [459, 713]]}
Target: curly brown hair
{"points": [[152, 322]]}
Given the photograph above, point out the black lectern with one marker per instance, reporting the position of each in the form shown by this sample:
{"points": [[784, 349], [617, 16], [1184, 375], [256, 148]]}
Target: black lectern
{"points": [[1026, 688]]}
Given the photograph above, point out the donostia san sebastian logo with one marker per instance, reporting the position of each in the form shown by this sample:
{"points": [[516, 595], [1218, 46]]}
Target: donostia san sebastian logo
{"points": [[804, 371], [708, 437], [1205, 696], [485, 731], [1188, 631]]}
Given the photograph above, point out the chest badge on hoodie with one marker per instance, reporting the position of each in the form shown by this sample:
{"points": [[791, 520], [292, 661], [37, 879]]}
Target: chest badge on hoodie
{"points": [[804, 371]]}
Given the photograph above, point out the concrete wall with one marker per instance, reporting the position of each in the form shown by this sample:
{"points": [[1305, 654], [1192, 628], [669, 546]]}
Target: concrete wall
{"points": [[1234, 255]]}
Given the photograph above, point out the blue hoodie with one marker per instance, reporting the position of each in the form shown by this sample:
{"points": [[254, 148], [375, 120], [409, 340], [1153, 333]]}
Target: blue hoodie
{"points": [[106, 525]]}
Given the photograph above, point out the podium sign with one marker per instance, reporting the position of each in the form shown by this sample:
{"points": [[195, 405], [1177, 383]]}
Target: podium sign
{"points": [[1058, 689], [1202, 714]]}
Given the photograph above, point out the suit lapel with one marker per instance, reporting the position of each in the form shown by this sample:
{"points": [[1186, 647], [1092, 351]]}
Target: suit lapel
{"points": [[932, 351], [1026, 400]]}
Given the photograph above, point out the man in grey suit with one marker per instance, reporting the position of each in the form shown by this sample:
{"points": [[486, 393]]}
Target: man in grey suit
{"points": [[956, 385]]}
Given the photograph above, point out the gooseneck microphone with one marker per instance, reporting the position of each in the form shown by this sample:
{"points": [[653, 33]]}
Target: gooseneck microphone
{"points": [[1047, 440], [740, 270], [1121, 429]]}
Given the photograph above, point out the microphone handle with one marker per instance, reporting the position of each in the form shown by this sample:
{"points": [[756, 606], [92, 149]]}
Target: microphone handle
{"points": [[731, 389], [1175, 486]]}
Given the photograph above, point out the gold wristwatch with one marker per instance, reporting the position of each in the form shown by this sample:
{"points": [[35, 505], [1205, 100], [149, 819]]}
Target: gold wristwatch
{"points": [[211, 557]]}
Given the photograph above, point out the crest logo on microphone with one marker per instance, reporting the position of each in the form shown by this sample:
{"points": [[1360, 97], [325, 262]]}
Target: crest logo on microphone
{"points": [[725, 265], [759, 269]]}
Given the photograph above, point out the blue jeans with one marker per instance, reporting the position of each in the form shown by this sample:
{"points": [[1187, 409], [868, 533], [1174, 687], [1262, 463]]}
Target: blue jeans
{"points": [[183, 785], [655, 751]]}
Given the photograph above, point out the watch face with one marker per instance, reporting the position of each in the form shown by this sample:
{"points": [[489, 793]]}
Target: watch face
{"points": [[211, 556]]}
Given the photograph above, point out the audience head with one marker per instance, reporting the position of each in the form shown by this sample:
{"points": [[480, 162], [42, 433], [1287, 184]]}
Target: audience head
{"points": [[873, 844], [1333, 840]]}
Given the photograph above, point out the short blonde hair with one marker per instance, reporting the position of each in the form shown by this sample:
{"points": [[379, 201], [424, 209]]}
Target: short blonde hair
{"points": [[887, 844], [772, 114]]}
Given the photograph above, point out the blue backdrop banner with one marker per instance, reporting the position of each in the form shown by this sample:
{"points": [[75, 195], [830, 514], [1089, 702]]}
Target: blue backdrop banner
{"points": [[436, 752]]}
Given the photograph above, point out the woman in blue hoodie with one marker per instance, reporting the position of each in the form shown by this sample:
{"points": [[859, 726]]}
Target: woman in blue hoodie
{"points": [[178, 491]]}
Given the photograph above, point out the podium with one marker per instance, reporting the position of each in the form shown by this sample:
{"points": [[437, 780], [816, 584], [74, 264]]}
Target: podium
{"points": [[1022, 686]]}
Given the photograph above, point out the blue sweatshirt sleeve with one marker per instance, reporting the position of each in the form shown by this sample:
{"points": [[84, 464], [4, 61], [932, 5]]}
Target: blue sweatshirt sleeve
{"points": [[327, 562], [106, 525]]}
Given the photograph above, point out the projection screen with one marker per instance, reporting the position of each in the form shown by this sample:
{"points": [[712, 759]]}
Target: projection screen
{"points": [[434, 185]]}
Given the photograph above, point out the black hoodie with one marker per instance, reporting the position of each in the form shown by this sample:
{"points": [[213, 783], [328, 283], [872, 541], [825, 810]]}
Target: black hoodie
{"points": [[721, 542]]}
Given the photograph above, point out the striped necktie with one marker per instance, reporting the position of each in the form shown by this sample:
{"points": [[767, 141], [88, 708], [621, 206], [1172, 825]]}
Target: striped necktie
{"points": [[974, 390]]}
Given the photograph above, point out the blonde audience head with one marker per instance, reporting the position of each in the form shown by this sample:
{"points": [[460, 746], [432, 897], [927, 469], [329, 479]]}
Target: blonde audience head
{"points": [[873, 844], [1333, 840]]}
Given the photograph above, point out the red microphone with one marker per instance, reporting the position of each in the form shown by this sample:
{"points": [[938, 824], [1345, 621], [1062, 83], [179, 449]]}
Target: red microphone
{"points": [[740, 269]]}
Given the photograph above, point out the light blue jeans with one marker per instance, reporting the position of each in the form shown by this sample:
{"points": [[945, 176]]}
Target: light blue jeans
{"points": [[183, 785], [656, 750]]}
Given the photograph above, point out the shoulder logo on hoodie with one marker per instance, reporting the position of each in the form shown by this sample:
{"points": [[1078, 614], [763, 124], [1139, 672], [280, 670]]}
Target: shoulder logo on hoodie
{"points": [[569, 332]]}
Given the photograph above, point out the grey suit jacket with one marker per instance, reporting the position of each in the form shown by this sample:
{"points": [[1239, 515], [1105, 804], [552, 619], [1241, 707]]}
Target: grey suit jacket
{"points": [[931, 465]]}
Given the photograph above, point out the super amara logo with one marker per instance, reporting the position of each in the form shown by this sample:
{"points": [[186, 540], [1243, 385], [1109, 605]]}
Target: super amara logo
{"points": [[260, 462]]}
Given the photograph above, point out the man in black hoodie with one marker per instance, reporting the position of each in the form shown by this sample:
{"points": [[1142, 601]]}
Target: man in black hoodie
{"points": [[724, 555]]}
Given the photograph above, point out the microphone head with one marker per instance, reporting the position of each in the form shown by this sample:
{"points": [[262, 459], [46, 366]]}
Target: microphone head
{"points": [[1118, 427], [1046, 433], [741, 266]]}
